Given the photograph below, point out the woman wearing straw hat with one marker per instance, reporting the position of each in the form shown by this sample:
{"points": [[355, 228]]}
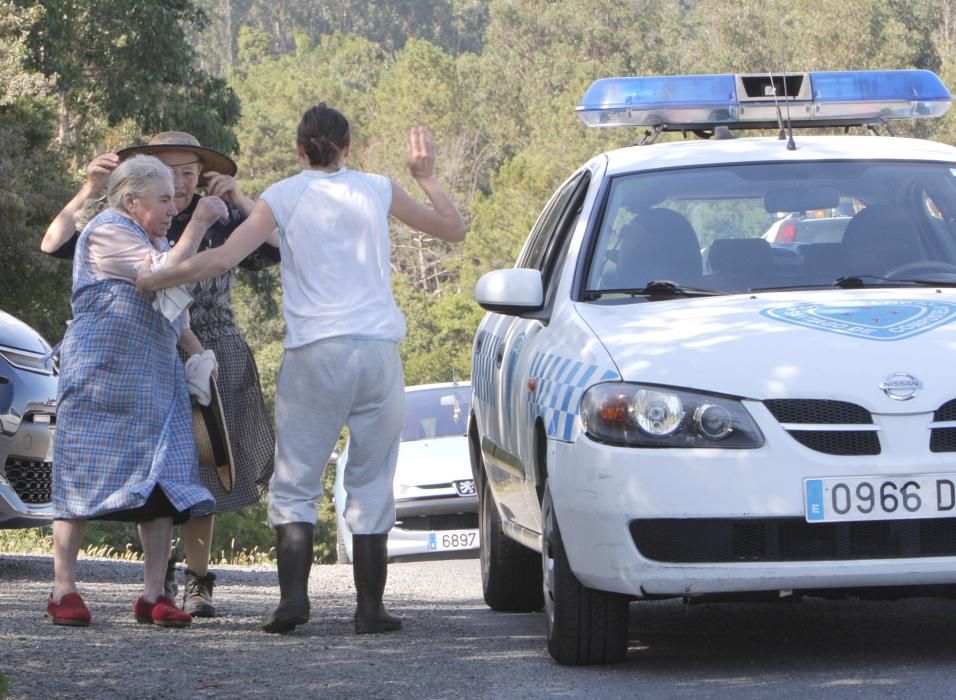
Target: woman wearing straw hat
{"points": [[212, 320], [343, 329]]}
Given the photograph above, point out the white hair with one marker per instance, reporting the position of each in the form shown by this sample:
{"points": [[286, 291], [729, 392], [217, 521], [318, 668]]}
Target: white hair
{"points": [[134, 176]]}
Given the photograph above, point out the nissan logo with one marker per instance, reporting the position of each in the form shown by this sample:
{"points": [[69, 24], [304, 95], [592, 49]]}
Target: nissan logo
{"points": [[901, 386]]}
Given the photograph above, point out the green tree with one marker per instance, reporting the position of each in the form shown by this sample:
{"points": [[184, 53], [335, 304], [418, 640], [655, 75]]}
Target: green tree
{"points": [[275, 91], [110, 61], [33, 185]]}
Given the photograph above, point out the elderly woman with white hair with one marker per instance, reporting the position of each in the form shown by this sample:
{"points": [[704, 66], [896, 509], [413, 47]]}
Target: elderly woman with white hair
{"points": [[124, 447]]}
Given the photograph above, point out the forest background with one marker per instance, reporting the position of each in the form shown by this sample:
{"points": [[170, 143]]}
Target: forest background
{"points": [[495, 80]]}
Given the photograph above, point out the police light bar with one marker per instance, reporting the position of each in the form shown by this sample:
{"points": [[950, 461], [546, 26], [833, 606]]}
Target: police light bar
{"points": [[752, 101]]}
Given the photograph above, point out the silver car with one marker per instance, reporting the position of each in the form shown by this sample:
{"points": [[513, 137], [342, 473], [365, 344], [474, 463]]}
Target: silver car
{"points": [[436, 504], [28, 380]]}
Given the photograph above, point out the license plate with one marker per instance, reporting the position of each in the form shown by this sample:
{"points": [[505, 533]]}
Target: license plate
{"points": [[880, 497], [452, 539]]}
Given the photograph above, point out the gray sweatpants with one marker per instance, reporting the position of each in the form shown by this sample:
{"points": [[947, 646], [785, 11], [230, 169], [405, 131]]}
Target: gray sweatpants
{"points": [[321, 388]]}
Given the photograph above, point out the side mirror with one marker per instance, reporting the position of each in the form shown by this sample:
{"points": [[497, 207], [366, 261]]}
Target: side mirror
{"points": [[512, 292]]}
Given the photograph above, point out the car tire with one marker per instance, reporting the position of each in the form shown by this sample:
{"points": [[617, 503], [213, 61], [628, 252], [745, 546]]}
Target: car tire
{"points": [[510, 572], [341, 553], [584, 626]]}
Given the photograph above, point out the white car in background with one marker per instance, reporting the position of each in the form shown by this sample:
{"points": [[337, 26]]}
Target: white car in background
{"points": [[436, 504], [28, 379], [777, 423]]}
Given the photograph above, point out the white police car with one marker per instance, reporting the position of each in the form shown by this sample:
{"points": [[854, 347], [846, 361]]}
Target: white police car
{"points": [[666, 404]]}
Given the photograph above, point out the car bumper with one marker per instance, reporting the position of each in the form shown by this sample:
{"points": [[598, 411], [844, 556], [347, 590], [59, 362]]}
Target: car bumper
{"points": [[14, 513], [435, 506], [602, 494], [414, 543]]}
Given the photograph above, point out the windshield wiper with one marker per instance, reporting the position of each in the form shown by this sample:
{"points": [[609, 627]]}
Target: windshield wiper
{"points": [[656, 289], [860, 282]]}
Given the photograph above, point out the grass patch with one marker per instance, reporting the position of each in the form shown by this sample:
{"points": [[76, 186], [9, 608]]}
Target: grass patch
{"points": [[4, 686], [40, 541], [31, 540]]}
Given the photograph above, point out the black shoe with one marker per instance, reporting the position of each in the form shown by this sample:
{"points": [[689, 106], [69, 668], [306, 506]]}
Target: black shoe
{"points": [[294, 542], [370, 569], [197, 599], [170, 587]]}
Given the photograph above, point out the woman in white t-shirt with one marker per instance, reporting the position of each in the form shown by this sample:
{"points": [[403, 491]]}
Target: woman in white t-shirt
{"points": [[341, 364]]}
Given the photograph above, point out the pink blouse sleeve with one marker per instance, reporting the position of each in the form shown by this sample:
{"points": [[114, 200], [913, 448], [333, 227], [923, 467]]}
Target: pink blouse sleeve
{"points": [[114, 250]]}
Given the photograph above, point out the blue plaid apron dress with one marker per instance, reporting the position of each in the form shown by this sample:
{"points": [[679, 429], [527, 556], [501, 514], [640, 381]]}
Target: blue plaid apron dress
{"points": [[124, 422]]}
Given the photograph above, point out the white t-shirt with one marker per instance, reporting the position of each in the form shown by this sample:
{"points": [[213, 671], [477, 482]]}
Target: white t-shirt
{"points": [[336, 278]]}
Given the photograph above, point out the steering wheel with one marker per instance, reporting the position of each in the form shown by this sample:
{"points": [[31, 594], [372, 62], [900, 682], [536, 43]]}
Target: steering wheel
{"points": [[921, 267]]}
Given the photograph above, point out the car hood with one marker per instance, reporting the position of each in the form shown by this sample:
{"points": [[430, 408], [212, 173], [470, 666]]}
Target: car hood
{"points": [[17, 335], [838, 345], [433, 461]]}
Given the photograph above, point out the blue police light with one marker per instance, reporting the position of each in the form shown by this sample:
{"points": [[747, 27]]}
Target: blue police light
{"points": [[748, 101]]}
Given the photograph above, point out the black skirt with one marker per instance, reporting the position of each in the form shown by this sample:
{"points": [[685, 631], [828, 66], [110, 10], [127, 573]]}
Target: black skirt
{"points": [[156, 506]]}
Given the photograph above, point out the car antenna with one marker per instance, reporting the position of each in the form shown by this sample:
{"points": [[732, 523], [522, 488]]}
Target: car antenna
{"points": [[791, 146]]}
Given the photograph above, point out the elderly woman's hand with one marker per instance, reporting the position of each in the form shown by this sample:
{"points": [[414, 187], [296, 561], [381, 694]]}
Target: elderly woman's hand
{"points": [[420, 153], [209, 210]]}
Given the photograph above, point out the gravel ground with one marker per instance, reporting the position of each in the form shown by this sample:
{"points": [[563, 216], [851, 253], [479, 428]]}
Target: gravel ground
{"points": [[446, 623], [453, 646]]}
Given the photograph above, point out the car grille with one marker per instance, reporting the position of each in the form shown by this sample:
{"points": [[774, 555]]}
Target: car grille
{"points": [[31, 479], [718, 540], [451, 521], [944, 439], [793, 412]]}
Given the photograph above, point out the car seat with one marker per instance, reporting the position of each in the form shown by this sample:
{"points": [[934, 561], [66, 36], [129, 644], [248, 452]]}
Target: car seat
{"points": [[659, 244], [878, 239], [740, 262]]}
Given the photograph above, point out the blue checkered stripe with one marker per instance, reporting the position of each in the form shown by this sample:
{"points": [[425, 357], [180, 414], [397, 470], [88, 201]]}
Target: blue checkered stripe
{"points": [[561, 383], [483, 374]]}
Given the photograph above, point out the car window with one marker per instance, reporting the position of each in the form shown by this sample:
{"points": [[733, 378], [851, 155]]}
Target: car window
{"points": [[436, 413], [539, 241], [740, 227]]}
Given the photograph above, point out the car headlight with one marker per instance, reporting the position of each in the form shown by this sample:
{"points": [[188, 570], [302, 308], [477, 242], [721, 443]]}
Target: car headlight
{"points": [[31, 362], [654, 416]]}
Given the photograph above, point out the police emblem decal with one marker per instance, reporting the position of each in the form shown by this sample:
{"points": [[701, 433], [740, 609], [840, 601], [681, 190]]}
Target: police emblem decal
{"points": [[886, 319]]}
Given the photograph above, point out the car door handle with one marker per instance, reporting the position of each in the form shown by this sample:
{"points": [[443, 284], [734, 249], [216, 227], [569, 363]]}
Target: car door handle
{"points": [[499, 356]]}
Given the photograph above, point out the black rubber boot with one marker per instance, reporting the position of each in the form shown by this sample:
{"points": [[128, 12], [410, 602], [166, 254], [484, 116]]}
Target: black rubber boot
{"points": [[370, 569], [294, 559]]}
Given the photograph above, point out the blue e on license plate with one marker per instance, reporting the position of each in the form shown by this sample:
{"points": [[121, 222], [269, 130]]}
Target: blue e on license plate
{"points": [[452, 539], [837, 499]]}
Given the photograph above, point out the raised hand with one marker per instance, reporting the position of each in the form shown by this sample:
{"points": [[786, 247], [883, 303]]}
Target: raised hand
{"points": [[420, 153], [98, 171], [227, 188], [221, 186]]}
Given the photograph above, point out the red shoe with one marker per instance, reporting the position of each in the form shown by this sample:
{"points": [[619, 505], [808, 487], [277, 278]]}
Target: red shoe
{"points": [[163, 612], [70, 611]]}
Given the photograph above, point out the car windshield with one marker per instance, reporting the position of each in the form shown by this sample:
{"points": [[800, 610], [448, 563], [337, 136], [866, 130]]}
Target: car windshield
{"points": [[436, 413], [736, 228]]}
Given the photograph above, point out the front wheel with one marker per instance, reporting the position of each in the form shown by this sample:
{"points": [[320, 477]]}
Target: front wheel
{"points": [[510, 572], [584, 625]]}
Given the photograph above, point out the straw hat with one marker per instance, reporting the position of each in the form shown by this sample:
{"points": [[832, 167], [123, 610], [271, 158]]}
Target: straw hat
{"points": [[212, 439], [181, 141]]}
